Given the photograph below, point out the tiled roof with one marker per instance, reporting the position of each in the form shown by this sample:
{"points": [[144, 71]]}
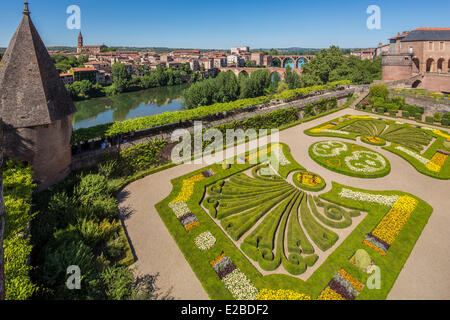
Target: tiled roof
{"points": [[428, 34], [32, 92]]}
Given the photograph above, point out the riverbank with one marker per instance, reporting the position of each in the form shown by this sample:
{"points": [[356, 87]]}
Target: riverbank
{"points": [[129, 105]]}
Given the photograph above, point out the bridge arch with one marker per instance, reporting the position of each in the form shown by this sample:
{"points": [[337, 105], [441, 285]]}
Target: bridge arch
{"points": [[430, 65], [288, 62], [276, 62], [244, 73], [275, 76], [300, 62]]}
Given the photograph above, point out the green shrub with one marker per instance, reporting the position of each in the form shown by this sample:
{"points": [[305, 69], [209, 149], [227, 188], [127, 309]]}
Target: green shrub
{"points": [[399, 101], [393, 113], [391, 106], [53, 272], [446, 119], [418, 117], [413, 109], [437, 117], [115, 248], [17, 271], [429, 119], [141, 157], [380, 110], [91, 188], [379, 91], [405, 114]]}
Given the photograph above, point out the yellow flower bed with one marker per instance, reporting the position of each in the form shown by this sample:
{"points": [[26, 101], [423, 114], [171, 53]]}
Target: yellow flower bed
{"points": [[360, 117], [437, 162], [374, 139], [391, 225], [265, 294], [329, 294], [258, 154], [317, 130], [309, 180], [188, 188], [440, 133]]}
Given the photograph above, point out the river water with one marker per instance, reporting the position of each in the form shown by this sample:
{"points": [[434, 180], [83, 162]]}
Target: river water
{"points": [[129, 105]]}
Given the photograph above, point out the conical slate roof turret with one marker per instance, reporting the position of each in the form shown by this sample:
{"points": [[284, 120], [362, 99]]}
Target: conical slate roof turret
{"points": [[31, 91]]}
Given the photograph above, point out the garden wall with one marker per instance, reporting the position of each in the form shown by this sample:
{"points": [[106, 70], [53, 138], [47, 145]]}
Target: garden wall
{"points": [[94, 155], [430, 105]]}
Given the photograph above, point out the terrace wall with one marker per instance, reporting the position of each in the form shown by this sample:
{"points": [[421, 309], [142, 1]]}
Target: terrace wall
{"points": [[430, 105], [94, 155]]}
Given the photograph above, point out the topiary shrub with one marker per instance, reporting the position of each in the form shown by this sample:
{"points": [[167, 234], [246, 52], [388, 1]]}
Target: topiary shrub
{"points": [[446, 119], [393, 113], [437, 117], [418, 117], [429, 119], [380, 110], [405, 114]]}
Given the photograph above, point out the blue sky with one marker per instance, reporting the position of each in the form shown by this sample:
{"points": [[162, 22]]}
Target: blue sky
{"points": [[223, 24]]}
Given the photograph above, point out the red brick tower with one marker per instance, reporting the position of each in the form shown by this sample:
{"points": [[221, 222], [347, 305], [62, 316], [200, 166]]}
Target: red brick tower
{"points": [[35, 106], [80, 43]]}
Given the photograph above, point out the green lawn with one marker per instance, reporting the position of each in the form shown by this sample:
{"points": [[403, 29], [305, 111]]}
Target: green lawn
{"points": [[281, 217], [426, 150]]}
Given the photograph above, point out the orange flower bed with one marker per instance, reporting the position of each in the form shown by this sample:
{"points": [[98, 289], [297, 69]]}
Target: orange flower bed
{"points": [[353, 281], [192, 225], [217, 260], [381, 252]]}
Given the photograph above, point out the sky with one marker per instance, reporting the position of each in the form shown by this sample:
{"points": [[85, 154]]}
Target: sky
{"points": [[214, 24]]}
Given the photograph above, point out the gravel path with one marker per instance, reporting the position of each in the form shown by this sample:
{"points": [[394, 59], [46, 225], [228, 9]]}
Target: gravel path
{"points": [[424, 276]]}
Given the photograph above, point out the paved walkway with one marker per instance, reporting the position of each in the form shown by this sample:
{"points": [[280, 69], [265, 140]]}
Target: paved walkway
{"points": [[424, 276]]}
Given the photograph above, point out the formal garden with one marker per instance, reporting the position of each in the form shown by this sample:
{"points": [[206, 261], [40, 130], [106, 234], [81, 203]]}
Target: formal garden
{"points": [[266, 230], [427, 149]]}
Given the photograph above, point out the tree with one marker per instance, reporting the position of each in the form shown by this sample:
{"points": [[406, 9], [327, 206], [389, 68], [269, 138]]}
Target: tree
{"points": [[121, 77], [331, 65], [256, 84], [292, 78]]}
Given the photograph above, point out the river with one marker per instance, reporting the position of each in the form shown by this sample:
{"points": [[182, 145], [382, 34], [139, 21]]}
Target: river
{"points": [[129, 105]]}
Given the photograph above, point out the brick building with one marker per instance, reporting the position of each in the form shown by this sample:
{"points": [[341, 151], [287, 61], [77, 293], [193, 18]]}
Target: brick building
{"points": [[82, 49], [35, 107], [423, 51]]}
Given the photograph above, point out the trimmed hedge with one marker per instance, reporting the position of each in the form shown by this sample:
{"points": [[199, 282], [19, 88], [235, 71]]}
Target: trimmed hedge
{"points": [[342, 167], [132, 125]]}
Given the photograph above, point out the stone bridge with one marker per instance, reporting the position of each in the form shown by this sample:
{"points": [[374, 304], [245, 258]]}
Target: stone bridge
{"points": [[249, 71], [297, 60]]}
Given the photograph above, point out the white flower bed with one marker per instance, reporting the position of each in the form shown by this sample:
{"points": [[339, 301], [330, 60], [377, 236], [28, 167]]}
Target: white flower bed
{"points": [[336, 131], [329, 148], [375, 198], [205, 241], [179, 208], [240, 286], [416, 156], [282, 160], [365, 161]]}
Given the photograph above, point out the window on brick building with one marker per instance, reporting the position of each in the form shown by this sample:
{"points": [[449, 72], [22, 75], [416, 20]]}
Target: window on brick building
{"points": [[430, 46], [441, 46]]}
